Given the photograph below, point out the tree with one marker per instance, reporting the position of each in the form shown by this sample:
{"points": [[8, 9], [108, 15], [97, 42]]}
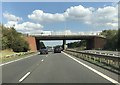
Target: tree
{"points": [[42, 45], [11, 39], [111, 38], [80, 44], [20, 46], [118, 44], [4, 43], [0, 37], [4, 38]]}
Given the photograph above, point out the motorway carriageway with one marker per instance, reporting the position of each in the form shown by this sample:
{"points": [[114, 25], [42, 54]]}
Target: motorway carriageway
{"points": [[55, 68]]}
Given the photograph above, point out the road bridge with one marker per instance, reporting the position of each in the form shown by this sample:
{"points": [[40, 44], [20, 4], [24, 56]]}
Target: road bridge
{"points": [[93, 41]]}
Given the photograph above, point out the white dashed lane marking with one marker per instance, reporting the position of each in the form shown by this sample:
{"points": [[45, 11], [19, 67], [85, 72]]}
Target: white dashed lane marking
{"points": [[25, 76]]}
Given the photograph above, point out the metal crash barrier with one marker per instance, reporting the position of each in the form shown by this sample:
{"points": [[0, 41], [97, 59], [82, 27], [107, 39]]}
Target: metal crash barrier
{"points": [[108, 62]]}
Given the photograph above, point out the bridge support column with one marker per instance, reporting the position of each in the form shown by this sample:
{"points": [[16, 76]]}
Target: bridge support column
{"points": [[38, 44], [99, 43], [95, 43], [64, 44], [32, 43], [90, 44]]}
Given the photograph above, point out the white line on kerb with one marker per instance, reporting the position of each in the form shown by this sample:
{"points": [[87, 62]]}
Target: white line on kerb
{"points": [[16, 60], [99, 73], [25, 76]]}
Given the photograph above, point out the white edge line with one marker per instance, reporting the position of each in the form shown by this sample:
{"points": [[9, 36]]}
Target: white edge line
{"points": [[24, 77], [17, 60], [90, 68]]}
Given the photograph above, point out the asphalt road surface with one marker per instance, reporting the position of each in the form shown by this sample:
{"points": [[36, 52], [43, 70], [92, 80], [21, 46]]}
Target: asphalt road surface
{"points": [[54, 68]]}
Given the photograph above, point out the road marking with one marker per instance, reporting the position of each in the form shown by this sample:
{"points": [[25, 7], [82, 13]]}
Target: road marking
{"points": [[17, 60], [99, 73], [42, 60], [25, 76], [46, 56]]}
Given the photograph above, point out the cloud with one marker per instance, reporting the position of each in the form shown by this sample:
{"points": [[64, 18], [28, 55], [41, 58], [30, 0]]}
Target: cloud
{"points": [[88, 15], [76, 12], [79, 13], [28, 27], [40, 16], [115, 25], [11, 17], [11, 24], [106, 16], [25, 27]]}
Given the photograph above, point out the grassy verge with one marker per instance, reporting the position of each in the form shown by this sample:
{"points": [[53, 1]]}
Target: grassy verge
{"points": [[6, 52], [8, 55]]}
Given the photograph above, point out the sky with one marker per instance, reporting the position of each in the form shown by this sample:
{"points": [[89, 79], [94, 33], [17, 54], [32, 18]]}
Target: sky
{"points": [[71, 18]]}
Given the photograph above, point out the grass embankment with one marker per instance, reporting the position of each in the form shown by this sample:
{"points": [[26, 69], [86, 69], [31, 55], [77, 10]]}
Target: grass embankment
{"points": [[6, 52], [8, 55]]}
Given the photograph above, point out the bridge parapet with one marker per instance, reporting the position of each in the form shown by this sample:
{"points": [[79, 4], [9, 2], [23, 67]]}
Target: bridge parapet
{"points": [[37, 35], [67, 37]]}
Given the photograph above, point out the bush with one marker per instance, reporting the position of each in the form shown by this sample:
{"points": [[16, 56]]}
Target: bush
{"points": [[20, 46], [112, 39], [14, 40]]}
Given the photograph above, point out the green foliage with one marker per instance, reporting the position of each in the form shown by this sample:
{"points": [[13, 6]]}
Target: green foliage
{"points": [[118, 44], [81, 43], [42, 45], [20, 46], [4, 43], [109, 34], [0, 37], [111, 39], [13, 40]]}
